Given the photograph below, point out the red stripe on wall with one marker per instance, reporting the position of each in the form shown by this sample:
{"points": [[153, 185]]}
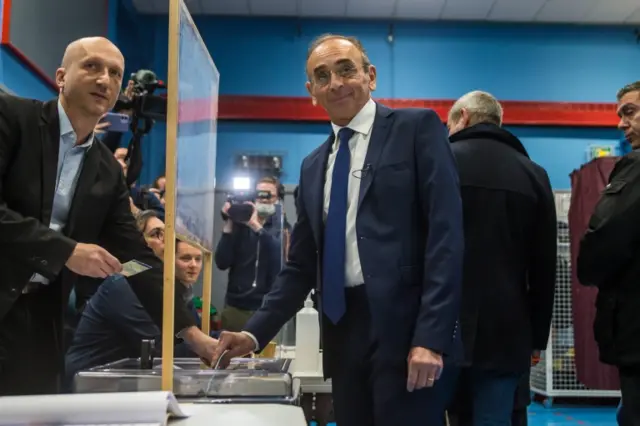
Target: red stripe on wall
{"points": [[6, 21], [275, 108]]}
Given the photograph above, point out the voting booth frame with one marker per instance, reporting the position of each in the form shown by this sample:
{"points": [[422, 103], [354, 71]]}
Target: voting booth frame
{"points": [[176, 8]]}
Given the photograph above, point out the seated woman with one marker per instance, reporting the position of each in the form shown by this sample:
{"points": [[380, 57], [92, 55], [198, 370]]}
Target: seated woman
{"points": [[114, 323]]}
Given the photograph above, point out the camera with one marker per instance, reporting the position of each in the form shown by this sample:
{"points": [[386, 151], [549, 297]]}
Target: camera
{"points": [[240, 211], [144, 103], [146, 108]]}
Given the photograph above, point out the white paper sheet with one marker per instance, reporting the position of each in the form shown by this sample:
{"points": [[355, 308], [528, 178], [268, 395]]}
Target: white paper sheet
{"points": [[90, 409]]}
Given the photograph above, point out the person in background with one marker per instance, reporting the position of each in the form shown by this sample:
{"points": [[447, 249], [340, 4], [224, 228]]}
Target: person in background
{"points": [[142, 197], [143, 201], [114, 322], [158, 188], [509, 269], [379, 231], [159, 183], [113, 139], [65, 215], [252, 252], [609, 259]]}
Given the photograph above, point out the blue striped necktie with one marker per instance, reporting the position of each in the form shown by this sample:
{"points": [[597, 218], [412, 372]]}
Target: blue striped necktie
{"points": [[335, 228]]}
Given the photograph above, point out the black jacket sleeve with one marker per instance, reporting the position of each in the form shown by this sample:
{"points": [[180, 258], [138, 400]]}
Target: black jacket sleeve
{"points": [[225, 252]]}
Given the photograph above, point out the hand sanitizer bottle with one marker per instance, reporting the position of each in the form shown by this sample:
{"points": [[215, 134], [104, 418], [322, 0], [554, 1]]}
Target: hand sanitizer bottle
{"points": [[307, 339]]}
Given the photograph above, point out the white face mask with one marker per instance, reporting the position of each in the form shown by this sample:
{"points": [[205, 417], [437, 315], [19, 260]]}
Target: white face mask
{"points": [[265, 210]]}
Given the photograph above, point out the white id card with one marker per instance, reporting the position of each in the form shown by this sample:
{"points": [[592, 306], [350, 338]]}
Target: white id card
{"points": [[133, 267]]}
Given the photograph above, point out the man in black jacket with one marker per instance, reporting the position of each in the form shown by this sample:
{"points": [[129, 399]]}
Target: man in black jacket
{"points": [[252, 252], [609, 259], [64, 214], [510, 258]]}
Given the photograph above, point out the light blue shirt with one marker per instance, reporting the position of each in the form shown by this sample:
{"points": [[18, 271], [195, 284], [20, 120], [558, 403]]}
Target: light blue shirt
{"points": [[70, 160]]}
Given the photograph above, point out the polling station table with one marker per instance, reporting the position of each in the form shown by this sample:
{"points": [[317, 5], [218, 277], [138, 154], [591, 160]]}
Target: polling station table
{"points": [[248, 381]]}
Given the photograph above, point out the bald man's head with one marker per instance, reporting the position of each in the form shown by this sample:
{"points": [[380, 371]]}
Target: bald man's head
{"points": [[90, 76]]}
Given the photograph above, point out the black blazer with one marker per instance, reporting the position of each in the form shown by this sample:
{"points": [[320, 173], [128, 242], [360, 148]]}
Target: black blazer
{"points": [[100, 212]]}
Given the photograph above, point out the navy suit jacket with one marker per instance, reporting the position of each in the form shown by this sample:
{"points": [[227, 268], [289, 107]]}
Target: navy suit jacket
{"points": [[410, 237]]}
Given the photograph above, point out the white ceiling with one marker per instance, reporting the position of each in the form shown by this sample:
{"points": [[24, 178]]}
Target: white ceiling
{"points": [[556, 11]]}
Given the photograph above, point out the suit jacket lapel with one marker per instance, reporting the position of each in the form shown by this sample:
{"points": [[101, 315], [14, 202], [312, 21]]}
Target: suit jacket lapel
{"points": [[86, 180], [379, 132], [315, 185], [50, 144]]}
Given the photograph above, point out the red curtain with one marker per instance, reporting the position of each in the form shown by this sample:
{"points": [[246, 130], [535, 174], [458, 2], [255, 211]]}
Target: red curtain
{"points": [[586, 185]]}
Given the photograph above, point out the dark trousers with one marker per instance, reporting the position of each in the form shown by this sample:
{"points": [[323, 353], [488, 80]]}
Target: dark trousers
{"points": [[30, 347], [369, 390], [629, 412], [485, 398], [520, 417]]}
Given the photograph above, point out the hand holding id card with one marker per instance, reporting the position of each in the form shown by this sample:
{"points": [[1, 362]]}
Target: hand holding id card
{"points": [[133, 267]]}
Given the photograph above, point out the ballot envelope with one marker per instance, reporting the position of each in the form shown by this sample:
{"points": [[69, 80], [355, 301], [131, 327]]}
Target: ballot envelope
{"points": [[251, 380]]}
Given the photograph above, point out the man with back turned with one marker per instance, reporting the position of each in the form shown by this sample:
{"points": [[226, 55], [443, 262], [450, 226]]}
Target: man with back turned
{"points": [[510, 261], [64, 214], [379, 232]]}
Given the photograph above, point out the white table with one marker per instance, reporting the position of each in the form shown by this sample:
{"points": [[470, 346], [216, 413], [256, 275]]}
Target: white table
{"points": [[310, 381], [241, 415]]}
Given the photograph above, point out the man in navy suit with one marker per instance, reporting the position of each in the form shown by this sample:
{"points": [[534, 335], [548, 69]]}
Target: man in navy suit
{"points": [[379, 234]]}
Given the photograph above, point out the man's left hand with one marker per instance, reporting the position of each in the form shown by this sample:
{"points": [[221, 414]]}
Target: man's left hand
{"points": [[425, 367]]}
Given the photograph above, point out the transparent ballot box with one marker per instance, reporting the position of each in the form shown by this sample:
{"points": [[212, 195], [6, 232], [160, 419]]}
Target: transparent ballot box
{"points": [[251, 380]]}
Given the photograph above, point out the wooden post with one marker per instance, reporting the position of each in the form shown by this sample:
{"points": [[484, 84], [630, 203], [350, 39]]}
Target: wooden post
{"points": [[206, 292], [171, 173]]}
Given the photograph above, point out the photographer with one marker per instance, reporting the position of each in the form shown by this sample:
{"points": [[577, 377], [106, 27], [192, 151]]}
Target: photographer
{"points": [[251, 249], [142, 197]]}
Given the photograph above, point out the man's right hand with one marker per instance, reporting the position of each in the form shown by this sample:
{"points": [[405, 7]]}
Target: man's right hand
{"points": [[90, 260], [237, 345]]}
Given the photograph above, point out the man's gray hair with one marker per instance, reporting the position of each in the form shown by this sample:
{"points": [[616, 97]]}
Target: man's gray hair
{"points": [[482, 107], [633, 87]]}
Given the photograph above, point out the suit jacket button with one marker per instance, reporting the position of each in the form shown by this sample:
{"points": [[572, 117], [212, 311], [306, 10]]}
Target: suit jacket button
{"points": [[14, 290], [44, 262]]}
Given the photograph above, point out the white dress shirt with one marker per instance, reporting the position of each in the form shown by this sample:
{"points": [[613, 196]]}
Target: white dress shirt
{"points": [[362, 124]]}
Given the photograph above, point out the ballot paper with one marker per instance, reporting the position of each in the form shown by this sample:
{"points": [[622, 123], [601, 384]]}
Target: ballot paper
{"points": [[131, 408], [134, 267]]}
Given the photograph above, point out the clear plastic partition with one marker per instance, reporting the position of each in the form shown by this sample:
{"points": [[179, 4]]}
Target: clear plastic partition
{"points": [[197, 136]]}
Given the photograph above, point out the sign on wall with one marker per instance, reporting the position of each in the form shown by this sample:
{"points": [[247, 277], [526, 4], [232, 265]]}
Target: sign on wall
{"points": [[598, 151]]}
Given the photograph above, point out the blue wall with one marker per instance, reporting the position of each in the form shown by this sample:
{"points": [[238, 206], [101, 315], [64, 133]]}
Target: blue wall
{"points": [[426, 60], [19, 79]]}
